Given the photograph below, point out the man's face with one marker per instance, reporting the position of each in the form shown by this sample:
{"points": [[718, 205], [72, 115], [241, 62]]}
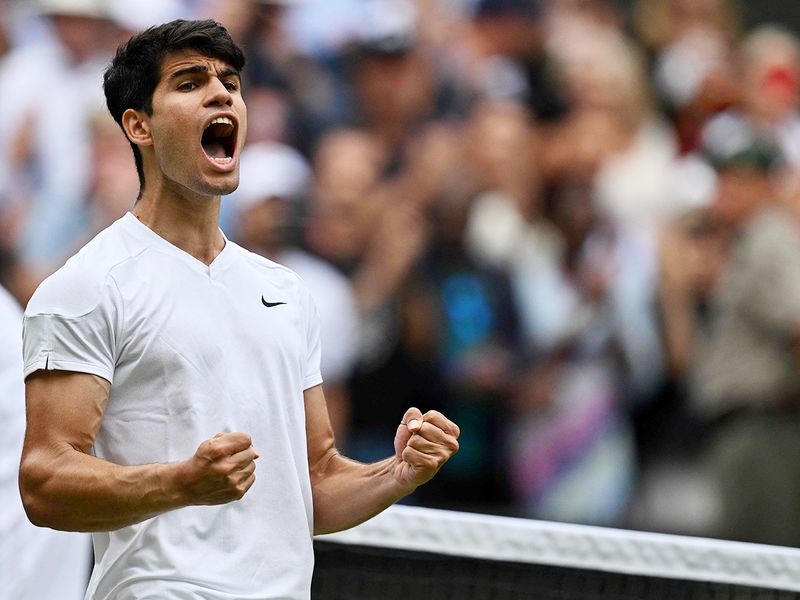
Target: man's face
{"points": [[198, 124], [740, 189]]}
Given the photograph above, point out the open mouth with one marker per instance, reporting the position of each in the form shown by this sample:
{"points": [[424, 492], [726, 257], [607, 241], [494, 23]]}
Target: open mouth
{"points": [[219, 140]]}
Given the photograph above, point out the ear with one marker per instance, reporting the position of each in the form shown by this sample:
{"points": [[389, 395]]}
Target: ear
{"points": [[136, 125]]}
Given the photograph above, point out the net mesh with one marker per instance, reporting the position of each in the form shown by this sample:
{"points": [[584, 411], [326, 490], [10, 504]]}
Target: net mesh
{"points": [[415, 553]]}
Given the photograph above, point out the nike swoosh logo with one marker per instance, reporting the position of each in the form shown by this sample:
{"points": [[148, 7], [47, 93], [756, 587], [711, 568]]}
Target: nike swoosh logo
{"points": [[270, 304]]}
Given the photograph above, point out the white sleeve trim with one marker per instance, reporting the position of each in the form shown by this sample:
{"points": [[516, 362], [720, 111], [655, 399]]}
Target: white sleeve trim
{"points": [[46, 362], [312, 380]]}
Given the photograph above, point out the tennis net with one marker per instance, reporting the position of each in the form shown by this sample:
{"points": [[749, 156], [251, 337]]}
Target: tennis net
{"points": [[414, 553]]}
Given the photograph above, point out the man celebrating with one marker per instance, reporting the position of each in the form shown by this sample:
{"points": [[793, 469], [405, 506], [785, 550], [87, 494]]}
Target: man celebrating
{"points": [[163, 360]]}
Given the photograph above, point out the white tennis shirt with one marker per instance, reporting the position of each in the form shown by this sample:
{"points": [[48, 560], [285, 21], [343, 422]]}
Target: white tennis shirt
{"points": [[191, 350]]}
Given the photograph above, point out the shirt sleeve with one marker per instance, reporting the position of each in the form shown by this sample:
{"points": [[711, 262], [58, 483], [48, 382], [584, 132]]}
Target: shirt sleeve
{"points": [[71, 324], [312, 375]]}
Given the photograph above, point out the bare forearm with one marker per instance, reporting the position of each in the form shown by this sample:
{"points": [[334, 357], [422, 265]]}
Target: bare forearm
{"points": [[65, 487], [73, 491], [347, 492]]}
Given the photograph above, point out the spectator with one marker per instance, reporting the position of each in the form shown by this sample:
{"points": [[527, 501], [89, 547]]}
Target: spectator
{"points": [[695, 65], [48, 143], [581, 290], [570, 447], [771, 82], [466, 320], [742, 367], [510, 62], [37, 563], [394, 86], [612, 132]]}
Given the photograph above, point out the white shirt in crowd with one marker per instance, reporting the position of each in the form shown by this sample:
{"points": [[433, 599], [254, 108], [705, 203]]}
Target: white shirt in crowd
{"points": [[35, 563]]}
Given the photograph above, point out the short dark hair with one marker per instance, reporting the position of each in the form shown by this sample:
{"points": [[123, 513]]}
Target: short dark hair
{"points": [[134, 73]]}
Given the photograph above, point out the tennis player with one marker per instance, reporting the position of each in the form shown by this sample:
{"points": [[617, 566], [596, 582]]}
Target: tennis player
{"points": [[163, 361]]}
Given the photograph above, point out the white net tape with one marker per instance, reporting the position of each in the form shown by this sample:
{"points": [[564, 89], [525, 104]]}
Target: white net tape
{"points": [[578, 546]]}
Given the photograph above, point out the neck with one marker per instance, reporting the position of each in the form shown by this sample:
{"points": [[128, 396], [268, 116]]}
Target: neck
{"points": [[188, 222]]}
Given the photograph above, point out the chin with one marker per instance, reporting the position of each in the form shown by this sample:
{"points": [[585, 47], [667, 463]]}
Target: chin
{"points": [[221, 187]]}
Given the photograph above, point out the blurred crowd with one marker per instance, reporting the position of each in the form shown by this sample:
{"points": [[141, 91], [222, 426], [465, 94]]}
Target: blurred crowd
{"points": [[573, 228]]}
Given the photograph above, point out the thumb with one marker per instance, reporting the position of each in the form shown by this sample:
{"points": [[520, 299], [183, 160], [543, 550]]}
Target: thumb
{"points": [[409, 425], [413, 419]]}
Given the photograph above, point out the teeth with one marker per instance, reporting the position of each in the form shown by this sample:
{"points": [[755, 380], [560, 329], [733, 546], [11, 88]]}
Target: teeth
{"points": [[223, 120], [223, 161]]}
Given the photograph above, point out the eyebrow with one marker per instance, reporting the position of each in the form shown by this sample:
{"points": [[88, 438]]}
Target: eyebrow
{"points": [[226, 72]]}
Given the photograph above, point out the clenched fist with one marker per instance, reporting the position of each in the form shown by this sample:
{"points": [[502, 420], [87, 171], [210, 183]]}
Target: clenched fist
{"points": [[221, 470], [422, 444]]}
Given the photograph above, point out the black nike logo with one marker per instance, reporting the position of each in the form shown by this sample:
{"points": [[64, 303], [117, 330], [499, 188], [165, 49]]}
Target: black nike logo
{"points": [[270, 304]]}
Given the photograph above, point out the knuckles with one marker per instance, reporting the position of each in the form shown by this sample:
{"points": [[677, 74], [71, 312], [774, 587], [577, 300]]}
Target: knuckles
{"points": [[423, 462]]}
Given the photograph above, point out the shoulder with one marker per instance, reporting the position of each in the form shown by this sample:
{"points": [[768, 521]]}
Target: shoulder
{"points": [[278, 273], [83, 282], [279, 276]]}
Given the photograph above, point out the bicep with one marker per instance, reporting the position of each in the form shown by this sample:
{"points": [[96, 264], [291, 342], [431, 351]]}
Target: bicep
{"points": [[64, 408]]}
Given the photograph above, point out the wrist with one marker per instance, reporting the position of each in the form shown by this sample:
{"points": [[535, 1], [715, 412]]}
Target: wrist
{"points": [[402, 479], [174, 479]]}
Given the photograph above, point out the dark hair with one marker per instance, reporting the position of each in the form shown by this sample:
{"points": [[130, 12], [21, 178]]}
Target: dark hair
{"points": [[134, 73]]}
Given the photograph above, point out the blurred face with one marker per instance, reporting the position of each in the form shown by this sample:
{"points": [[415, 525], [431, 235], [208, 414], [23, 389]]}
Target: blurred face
{"points": [[501, 138], [114, 180], [263, 225], [78, 34], [269, 114], [502, 149], [347, 168], [235, 14], [698, 9], [599, 80], [393, 89], [508, 34], [740, 191], [601, 71], [198, 124], [573, 212], [773, 85]]}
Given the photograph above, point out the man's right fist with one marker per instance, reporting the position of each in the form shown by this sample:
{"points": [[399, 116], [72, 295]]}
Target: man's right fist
{"points": [[221, 470]]}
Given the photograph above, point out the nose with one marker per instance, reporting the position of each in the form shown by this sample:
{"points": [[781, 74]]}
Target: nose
{"points": [[218, 94]]}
